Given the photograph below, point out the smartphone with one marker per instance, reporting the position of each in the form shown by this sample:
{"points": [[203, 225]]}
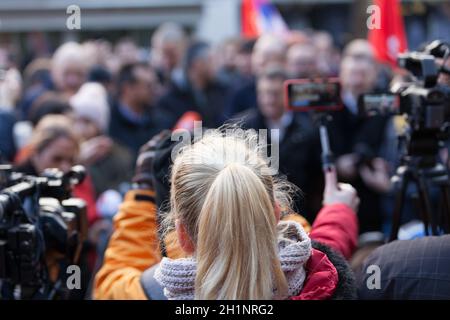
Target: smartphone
{"points": [[319, 95], [384, 104]]}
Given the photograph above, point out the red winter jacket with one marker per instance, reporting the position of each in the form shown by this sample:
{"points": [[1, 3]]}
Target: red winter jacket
{"points": [[337, 227], [85, 191]]}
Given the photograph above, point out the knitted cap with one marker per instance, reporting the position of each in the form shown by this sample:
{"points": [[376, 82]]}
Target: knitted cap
{"points": [[91, 102]]}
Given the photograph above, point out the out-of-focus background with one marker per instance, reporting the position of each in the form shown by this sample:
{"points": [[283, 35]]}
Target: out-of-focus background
{"points": [[37, 27]]}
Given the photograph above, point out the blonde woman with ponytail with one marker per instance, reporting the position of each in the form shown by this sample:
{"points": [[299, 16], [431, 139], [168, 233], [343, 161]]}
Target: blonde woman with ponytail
{"points": [[226, 211]]}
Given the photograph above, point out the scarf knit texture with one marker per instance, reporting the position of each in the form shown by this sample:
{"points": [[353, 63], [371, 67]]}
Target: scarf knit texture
{"points": [[177, 276]]}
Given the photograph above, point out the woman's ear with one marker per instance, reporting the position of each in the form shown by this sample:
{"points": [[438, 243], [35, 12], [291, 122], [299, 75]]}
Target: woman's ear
{"points": [[183, 238], [277, 211]]}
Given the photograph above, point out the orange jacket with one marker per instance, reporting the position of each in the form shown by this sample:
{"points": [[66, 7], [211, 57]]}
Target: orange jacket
{"points": [[134, 247]]}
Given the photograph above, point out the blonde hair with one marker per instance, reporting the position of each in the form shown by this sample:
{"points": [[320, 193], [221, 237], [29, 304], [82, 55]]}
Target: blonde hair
{"points": [[68, 54], [225, 201]]}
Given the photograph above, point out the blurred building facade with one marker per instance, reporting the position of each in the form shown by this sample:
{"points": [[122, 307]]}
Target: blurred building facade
{"points": [[25, 22]]}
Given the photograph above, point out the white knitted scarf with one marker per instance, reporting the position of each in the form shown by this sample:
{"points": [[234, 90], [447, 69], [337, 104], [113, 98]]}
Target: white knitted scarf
{"points": [[177, 276]]}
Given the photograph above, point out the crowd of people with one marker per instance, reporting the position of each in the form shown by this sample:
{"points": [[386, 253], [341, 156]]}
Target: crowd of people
{"points": [[99, 105]]}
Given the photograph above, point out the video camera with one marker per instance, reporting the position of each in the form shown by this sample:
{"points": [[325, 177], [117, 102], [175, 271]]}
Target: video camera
{"points": [[423, 101], [42, 230], [427, 106]]}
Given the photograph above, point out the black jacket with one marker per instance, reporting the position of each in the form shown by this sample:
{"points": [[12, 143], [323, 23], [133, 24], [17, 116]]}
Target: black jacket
{"points": [[242, 98], [7, 147], [132, 135], [356, 133], [408, 269], [363, 136], [299, 157], [210, 103]]}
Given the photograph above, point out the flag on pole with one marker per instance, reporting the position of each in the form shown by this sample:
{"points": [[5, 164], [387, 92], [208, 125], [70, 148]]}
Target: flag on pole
{"points": [[260, 16], [388, 39]]}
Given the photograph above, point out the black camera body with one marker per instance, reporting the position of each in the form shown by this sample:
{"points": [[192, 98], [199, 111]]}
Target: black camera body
{"points": [[423, 101], [426, 104], [39, 222]]}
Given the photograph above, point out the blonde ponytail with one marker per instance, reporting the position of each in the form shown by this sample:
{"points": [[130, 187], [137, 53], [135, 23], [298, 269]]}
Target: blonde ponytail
{"points": [[227, 207]]}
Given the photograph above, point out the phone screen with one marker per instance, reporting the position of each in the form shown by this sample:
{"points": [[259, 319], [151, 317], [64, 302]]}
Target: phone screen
{"points": [[313, 95], [371, 104]]}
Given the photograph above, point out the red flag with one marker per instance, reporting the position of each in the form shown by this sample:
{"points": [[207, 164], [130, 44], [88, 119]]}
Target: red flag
{"points": [[249, 19], [261, 16], [388, 38]]}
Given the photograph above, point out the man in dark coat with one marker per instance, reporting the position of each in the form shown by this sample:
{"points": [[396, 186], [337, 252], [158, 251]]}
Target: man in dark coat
{"points": [[134, 120], [296, 136], [408, 269], [7, 147], [356, 139], [195, 89], [267, 50]]}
